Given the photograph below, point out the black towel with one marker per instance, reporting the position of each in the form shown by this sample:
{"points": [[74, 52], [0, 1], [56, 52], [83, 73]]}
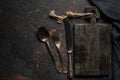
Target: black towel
{"points": [[111, 9]]}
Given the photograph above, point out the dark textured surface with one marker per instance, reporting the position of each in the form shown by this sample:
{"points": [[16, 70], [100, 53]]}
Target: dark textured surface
{"points": [[22, 55], [93, 53]]}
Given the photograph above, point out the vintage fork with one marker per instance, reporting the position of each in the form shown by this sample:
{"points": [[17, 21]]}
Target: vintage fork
{"points": [[54, 35]]}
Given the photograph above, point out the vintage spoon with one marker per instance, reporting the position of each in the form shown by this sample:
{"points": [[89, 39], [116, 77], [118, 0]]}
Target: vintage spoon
{"points": [[44, 36], [54, 35]]}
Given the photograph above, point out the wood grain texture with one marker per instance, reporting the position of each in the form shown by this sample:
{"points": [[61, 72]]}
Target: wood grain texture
{"points": [[92, 44]]}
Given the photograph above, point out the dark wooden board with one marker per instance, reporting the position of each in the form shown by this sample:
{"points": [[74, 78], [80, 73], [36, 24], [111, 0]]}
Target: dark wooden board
{"points": [[92, 44]]}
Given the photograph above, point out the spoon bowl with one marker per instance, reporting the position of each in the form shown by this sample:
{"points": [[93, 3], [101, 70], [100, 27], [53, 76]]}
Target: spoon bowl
{"points": [[43, 34]]}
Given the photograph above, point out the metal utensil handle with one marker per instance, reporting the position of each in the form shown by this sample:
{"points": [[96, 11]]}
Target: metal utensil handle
{"points": [[70, 64], [64, 70], [57, 62]]}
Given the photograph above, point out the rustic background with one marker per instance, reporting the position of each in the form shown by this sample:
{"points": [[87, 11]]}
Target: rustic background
{"points": [[22, 55]]}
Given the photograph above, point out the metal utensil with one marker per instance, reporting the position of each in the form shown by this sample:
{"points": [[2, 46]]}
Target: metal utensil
{"points": [[44, 36], [54, 35], [69, 45]]}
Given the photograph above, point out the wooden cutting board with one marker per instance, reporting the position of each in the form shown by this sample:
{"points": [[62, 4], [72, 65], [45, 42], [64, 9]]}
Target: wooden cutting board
{"points": [[92, 49]]}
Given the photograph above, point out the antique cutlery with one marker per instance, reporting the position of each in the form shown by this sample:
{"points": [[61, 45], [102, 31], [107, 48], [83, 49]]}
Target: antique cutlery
{"points": [[69, 45], [54, 35], [44, 36]]}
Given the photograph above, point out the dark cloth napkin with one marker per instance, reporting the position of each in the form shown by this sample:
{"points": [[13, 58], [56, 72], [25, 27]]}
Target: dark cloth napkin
{"points": [[111, 9]]}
